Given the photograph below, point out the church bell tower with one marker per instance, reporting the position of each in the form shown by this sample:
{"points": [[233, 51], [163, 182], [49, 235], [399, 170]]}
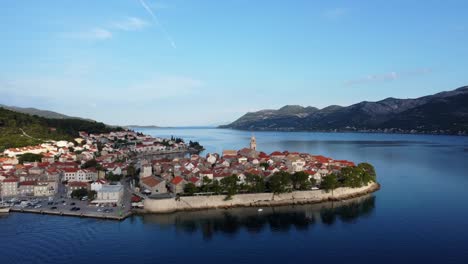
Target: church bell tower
{"points": [[253, 143]]}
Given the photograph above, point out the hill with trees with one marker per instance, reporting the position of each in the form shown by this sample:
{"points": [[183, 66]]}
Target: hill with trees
{"points": [[19, 129]]}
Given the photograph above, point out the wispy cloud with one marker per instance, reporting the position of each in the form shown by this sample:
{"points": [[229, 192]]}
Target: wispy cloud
{"points": [[158, 5], [97, 33], [156, 20], [389, 76], [131, 24], [335, 13], [106, 32]]}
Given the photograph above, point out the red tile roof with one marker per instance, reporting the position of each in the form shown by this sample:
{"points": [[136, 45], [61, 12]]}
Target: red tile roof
{"points": [[194, 179], [28, 183], [10, 180], [150, 181], [177, 180]]}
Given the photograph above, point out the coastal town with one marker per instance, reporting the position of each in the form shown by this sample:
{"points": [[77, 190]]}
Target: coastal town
{"points": [[110, 175]]}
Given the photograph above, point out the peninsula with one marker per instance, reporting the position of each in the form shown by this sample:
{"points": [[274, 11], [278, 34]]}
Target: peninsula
{"points": [[248, 177], [110, 175]]}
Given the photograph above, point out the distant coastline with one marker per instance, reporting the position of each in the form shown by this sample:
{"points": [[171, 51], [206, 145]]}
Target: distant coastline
{"points": [[138, 126], [362, 131]]}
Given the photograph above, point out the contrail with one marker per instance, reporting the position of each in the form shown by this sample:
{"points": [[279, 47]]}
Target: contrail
{"points": [[148, 9]]}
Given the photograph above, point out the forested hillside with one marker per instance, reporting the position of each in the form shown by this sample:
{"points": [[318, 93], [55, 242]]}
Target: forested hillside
{"points": [[18, 129]]}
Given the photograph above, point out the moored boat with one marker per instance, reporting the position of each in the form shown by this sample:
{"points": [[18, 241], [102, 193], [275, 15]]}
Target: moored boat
{"points": [[4, 209]]}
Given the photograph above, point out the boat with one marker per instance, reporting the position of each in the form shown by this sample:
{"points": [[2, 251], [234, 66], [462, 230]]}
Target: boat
{"points": [[260, 209], [4, 209]]}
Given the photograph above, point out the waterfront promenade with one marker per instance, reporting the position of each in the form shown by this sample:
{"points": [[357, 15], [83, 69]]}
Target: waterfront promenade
{"points": [[188, 203]]}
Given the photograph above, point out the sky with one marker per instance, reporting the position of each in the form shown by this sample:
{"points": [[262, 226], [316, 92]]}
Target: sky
{"points": [[200, 62]]}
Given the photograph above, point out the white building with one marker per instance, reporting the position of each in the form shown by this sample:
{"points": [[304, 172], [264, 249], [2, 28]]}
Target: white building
{"points": [[110, 194], [9, 187], [97, 185], [12, 152], [146, 170], [85, 175]]}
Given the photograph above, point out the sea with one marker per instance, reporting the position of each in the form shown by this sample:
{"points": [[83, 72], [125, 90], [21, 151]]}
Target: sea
{"points": [[420, 214]]}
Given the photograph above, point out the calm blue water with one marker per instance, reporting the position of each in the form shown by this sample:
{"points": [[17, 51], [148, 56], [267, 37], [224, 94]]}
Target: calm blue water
{"points": [[420, 215]]}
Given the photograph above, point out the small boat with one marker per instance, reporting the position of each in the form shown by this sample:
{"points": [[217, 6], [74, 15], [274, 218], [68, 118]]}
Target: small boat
{"points": [[4, 209], [260, 210]]}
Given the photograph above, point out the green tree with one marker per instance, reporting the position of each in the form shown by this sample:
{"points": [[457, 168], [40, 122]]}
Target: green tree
{"points": [[265, 165], [350, 177], [206, 187], [92, 195], [300, 181], [190, 188], [280, 182], [79, 193], [113, 177], [229, 185], [29, 157], [368, 173], [254, 183], [329, 182], [216, 187], [89, 164]]}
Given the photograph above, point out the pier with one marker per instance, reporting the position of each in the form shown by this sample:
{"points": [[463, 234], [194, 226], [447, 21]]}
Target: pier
{"points": [[99, 215]]}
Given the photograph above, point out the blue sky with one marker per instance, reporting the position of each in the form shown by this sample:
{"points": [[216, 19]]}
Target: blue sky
{"points": [[182, 63]]}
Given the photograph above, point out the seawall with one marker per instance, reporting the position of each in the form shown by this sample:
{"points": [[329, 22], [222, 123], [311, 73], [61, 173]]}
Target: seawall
{"points": [[186, 203]]}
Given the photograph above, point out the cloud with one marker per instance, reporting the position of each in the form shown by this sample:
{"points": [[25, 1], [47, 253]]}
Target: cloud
{"points": [[335, 14], [103, 33], [390, 76], [97, 33], [156, 20], [131, 24]]}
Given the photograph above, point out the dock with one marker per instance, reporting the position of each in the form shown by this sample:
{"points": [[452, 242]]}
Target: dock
{"points": [[106, 216]]}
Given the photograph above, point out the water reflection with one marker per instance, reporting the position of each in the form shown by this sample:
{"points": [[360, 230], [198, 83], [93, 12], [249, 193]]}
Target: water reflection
{"points": [[276, 219]]}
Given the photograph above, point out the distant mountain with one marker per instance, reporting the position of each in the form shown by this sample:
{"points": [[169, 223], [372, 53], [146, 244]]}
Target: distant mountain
{"points": [[138, 126], [441, 113], [39, 112]]}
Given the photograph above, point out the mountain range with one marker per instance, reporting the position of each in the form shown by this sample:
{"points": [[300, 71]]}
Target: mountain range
{"points": [[441, 113], [40, 113]]}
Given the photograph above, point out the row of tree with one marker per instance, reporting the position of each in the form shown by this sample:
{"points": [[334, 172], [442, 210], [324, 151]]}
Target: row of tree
{"points": [[282, 182], [279, 182], [353, 177], [82, 192]]}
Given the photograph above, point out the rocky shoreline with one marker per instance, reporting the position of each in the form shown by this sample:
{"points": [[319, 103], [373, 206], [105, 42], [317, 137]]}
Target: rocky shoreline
{"points": [[192, 203]]}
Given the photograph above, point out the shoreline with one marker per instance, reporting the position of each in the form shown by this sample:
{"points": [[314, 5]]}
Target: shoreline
{"points": [[196, 203]]}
